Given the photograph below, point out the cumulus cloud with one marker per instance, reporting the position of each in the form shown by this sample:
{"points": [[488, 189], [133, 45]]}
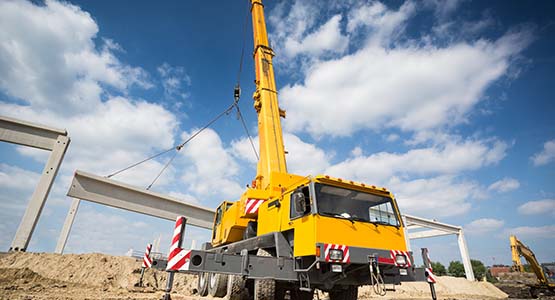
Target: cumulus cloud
{"points": [[407, 88], [546, 206], [441, 196], [450, 158], [302, 158], [174, 80], [55, 70], [212, 170], [328, 37], [390, 80], [483, 226], [504, 185], [530, 232], [545, 156]]}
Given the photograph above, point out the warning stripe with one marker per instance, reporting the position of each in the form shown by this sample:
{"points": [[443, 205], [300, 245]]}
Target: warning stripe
{"points": [[178, 258], [394, 253], [252, 205], [346, 253], [430, 277], [147, 261]]}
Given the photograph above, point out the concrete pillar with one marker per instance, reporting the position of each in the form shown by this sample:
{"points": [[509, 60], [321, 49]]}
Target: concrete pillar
{"points": [[64, 234], [465, 256]]}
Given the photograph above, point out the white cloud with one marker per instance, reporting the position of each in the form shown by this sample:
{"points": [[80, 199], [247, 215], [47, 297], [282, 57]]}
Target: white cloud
{"points": [[174, 80], [530, 232], [411, 88], [546, 156], [48, 57], [546, 206], [441, 196], [213, 171], [504, 185], [382, 23], [483, 226], [302, 158], [326, 38], [450, 158]]}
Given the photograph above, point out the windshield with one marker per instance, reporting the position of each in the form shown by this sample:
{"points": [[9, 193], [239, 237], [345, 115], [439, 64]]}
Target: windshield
{"points": [[354, 205]]}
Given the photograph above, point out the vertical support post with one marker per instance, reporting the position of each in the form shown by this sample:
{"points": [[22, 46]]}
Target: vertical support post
{"points": [[66, 229], [465, 256], [429, 274], [174, 257], [36, 204], [406, 232]]}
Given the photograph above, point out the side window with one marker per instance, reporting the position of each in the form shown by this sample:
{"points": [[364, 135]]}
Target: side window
{"points": [[383, 213], [299, 203], [219, 215]]}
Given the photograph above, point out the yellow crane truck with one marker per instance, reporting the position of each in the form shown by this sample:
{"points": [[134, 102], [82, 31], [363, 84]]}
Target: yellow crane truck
{"points": [[291, 234]]}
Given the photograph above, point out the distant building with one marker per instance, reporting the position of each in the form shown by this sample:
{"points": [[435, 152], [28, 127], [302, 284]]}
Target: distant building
{"points": [[496, 269]]}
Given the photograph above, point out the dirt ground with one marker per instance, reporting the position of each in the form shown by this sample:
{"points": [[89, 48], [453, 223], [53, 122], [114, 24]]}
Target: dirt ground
{"points": [[97, 276]]}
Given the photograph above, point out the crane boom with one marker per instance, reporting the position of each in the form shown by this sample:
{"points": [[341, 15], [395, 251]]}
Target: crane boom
{"points": [[272, 153]]}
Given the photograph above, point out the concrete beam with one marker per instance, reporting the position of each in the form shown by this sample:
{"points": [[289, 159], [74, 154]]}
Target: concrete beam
{"points": [[41, 137], [29, 134], [412, 220], [427, 234], [109, 192]]}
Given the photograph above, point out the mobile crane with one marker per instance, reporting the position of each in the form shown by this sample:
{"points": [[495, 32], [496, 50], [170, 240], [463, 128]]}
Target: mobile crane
{"points": [[290, 234], [544, 285]]}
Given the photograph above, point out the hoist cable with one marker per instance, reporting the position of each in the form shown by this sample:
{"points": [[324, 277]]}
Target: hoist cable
{"points": [[247, 131], [178, 147], [244, 43]]}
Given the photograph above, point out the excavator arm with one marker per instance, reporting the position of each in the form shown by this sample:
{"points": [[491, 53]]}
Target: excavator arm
{"points": [[518, 249]]}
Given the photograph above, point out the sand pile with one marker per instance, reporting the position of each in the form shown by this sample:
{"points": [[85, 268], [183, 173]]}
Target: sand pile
{"points": [[105, 271], [446, 288]]}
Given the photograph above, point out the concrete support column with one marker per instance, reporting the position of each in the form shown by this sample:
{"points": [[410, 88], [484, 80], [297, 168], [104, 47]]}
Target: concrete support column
{"points": [[62, 240], [34, 209], [465, 256]]}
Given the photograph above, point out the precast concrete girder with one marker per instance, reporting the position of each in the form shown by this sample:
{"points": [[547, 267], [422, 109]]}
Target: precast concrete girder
{"points": [[42, 137], [109, 192]]}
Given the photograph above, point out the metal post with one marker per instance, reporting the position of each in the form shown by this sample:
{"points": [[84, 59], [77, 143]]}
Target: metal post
{"points": [[64, 234], [34, 209], [465, 257], [177, 244], [428, 266]]}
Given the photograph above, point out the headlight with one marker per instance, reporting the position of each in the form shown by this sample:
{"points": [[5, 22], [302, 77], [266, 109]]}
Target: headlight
{"points": [[400, 259], [336, 254]]}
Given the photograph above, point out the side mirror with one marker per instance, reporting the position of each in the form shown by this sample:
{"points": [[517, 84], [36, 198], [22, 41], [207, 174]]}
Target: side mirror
{"points": [[299, 202]]}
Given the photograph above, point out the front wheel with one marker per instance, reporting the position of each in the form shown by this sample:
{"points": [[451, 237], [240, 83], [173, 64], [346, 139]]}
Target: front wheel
{"points": [[264, 289], [217, 285], [202, 285], [350, 293]]}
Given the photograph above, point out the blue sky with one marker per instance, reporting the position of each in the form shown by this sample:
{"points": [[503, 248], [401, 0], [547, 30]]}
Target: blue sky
{"points": [[447, 103]]}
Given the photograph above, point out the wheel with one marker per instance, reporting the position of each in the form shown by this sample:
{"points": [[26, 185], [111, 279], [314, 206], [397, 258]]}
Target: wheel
{"points": [[217, 285], [264, 289], [296, 294], [350, 293], [202, 284], [236, 289]]}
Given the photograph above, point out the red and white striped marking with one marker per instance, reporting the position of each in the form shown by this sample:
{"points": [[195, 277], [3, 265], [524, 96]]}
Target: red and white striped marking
{"points": [[394, 253], [346, 253], [179, 258], [430, 277], [252, 205], [147, 261]]}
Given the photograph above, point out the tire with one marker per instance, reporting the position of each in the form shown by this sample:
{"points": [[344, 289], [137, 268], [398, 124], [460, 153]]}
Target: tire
{"points": [[351, 293], [217, 285], [264, 289], [236, 289], [301, 295], [202, 284]]}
